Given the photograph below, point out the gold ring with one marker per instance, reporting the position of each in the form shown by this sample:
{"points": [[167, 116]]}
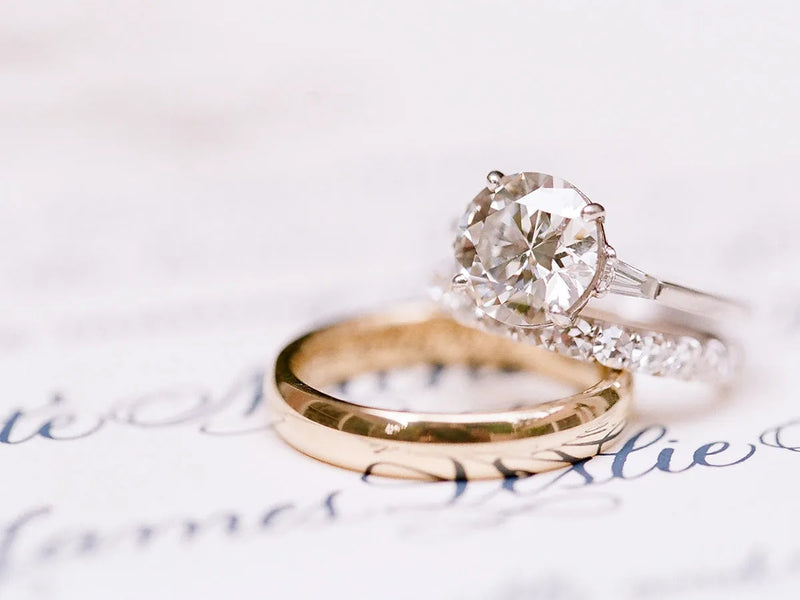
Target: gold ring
{"points": [[439, 446]]}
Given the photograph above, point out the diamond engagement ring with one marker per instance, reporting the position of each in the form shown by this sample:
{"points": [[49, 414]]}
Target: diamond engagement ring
{"points": [[531, 253]]}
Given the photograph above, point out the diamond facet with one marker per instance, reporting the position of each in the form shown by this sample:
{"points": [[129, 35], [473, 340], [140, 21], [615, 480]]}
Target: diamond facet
{"points": [[526, 250], [574, 341], [717, 359], [649, 352], [683, 357], [613, 346]]}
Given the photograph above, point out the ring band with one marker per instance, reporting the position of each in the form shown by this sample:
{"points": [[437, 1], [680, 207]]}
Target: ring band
{"points": [[439, 446], [531, 252]]}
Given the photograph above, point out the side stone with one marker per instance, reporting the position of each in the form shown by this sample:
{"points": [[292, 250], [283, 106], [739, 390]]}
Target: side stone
{"points": [[613, 345]]}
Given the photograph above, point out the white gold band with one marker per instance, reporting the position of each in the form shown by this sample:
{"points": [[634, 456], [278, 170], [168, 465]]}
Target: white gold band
{"points": [[627, 280], [652, 348]]}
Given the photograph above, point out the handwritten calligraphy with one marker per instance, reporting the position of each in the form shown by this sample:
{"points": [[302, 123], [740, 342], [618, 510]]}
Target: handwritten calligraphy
{"points": [[238, 411], [647, 452]]}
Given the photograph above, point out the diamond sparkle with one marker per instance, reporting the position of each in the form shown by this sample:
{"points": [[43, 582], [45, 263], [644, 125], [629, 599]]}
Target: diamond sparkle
{"points": [[526, 250]]}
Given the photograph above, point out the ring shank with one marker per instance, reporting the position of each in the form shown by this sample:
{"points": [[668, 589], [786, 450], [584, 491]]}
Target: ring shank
{"points": [[631, 281], [538, 437], [693, 301], [626, 329]]}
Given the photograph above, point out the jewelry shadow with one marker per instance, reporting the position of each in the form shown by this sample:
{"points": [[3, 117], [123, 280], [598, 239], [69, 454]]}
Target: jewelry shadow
{"points": [[671, 402]]}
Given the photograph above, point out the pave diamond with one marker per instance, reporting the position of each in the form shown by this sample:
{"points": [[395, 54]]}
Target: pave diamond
{"points": [[717, 359], [683, 357], [525, 249], [649, 352], [613, 346], [574, 341], [619, 346]]}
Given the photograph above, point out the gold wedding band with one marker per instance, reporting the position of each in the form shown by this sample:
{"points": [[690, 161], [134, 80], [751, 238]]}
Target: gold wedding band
{"points": [[439, 446]]}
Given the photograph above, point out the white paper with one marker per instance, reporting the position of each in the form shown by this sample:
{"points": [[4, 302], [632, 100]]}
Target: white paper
{"points": [[185, 186]]}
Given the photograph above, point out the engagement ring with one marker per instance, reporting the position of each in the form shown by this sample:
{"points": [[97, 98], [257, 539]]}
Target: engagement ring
{"points": [[531, 252]]}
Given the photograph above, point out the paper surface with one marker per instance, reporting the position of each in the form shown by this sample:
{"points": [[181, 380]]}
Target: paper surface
{"points": [[186, 187]]}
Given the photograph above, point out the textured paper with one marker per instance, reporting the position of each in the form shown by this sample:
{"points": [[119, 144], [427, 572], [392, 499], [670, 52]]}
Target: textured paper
{"points": [[186, 186]]}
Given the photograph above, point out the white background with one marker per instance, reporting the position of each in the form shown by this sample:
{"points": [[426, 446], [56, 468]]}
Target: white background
{"points": [[183, 185]]}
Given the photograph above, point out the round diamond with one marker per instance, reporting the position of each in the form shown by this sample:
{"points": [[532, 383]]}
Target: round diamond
{"points": [[650, 352], [574, 341], [717, 359], [613, 346], [683, 357], [526, 250]]}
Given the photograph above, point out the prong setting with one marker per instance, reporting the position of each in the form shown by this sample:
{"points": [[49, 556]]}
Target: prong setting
{"points": [[459, 282], [593, 212], [607, 276], [558, 315], [493, 180], [568, 251]]}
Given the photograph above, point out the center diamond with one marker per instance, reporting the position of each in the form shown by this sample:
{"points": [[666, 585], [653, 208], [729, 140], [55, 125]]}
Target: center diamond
{"points": [[525, 249]]}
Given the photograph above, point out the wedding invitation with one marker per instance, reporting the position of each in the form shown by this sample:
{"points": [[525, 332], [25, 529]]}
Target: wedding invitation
{"points": [[186, 188]]}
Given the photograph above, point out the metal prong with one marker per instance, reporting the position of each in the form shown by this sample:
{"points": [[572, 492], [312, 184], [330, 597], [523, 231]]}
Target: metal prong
{"points": [[611, 254], [593, 212], [558, 316], [493, 180], [459, 282]]}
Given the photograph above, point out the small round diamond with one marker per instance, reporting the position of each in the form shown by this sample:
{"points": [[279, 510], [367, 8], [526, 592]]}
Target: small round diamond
{"points": [[544, 336], [574, 341], [526, 250], [717, 359], [613, 346], [683, 356], [649, 352]]}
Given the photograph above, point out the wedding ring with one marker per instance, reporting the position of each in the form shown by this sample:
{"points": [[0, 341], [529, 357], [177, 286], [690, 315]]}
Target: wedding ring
{"points": [[531, 252], [430, 445]]}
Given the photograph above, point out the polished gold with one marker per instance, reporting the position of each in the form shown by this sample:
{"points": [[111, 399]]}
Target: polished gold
{"points": [[438, 446]]}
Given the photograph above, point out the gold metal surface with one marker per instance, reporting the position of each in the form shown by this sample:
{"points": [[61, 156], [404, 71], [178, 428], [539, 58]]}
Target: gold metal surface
{"points": [[421, 445]]}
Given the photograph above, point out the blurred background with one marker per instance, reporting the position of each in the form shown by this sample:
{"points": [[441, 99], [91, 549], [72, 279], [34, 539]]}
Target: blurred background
{"points": [[307, 156], [184, 185]]}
